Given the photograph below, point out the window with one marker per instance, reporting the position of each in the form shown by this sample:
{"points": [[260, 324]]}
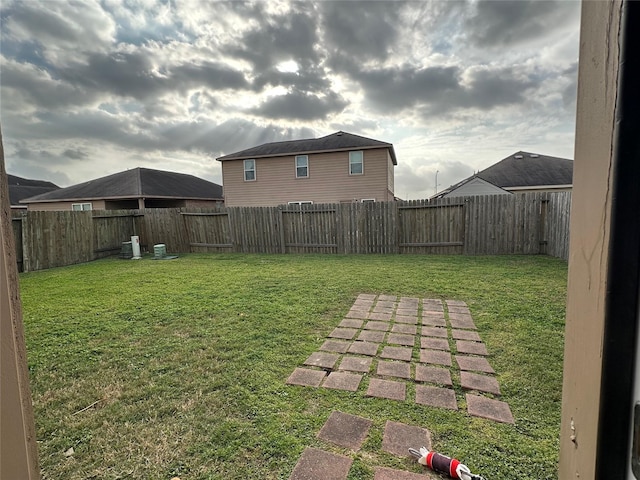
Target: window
{"points": [[368, 200], [79, 207], [249, 170], [302, 166], [303, 202], [356, 163]]}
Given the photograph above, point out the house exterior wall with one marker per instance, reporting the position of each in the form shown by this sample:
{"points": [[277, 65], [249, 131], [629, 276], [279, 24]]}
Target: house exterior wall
{"points": [[328, 181]]}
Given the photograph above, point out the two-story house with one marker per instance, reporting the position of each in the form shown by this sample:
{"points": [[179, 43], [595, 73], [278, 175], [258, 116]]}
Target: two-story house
{"points": [[340, 167]]}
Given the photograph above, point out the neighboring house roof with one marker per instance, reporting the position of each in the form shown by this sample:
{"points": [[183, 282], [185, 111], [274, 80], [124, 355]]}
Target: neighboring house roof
{"points": [[331, 143], [522, 170], [21, 188], [136, 183]]}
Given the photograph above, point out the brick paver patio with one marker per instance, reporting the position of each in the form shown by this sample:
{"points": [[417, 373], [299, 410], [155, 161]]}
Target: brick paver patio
{"points": [[396, 342]]}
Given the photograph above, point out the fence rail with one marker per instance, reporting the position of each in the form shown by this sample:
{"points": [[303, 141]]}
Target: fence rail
{"points": [[527, 223]]}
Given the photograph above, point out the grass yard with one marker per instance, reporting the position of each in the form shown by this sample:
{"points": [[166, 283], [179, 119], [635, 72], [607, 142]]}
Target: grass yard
{"points": [[187, 361]]}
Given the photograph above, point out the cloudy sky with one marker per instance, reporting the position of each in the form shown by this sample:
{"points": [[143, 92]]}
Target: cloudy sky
{"points": [[90, 88]]}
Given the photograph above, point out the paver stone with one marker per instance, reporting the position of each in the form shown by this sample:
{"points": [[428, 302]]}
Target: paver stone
{"points": [[401, 328], [322, 360], [410, 319], [434, 343], [364, 348], [387, 389], [475, 348], [398, 438], [316, 464], [380, 326], [436, 397], [343, 381], [345, 333], [478, 364], [437, 357], [465, 335], [371, 336], [434, 332], [482, 383], [335, 346], [496, 410], [439, 375], [306, 377], [351, 323], [384, 316], [355, 364], [394, 369], [349, 431], [397, 353], [401, 339]]}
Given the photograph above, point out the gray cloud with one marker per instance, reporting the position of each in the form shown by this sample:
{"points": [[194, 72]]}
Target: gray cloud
{"points": [[75, 154], [508, 22], [438, 90], [75, 25], [135, 75], [300, 106], [279, 38], [362, 30]]}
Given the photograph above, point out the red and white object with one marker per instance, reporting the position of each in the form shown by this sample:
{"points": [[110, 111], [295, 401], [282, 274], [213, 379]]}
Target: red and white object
{"points": [[443, 464]]}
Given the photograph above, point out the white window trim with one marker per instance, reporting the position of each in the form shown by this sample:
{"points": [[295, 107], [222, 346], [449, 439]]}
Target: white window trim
{"points": [[82, 207], [361, 162], [301, 202], [295, 162], [245, 170], [368, 200]]}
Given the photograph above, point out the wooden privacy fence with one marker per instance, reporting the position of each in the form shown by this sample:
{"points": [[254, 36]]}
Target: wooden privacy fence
{"points": [[527, 223]]}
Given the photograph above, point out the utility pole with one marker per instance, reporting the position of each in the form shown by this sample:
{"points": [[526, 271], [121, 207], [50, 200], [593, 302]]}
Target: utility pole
{"points": [[436, 189]]}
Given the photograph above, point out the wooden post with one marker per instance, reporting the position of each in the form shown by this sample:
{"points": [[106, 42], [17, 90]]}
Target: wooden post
{"points": [[18, 448], [590, 236]]}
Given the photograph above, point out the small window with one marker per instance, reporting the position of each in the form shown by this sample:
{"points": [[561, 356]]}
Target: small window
{"points": [[303, 202], [80, 207], [302, 166], [356, 163], [249, 170], [368, 200]]}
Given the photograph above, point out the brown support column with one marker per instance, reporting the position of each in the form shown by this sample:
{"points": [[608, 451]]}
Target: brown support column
{"points": [[590, 236], [18, 449]]}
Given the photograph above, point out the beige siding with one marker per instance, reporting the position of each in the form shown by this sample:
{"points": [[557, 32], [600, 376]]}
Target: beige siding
{"points": [[328, 182], [390, 177], [57, 206]]}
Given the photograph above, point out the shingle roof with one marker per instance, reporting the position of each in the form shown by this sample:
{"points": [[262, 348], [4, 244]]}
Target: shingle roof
{"points": [[21, 188], [137, 183], [335, 142], [523, 169]]}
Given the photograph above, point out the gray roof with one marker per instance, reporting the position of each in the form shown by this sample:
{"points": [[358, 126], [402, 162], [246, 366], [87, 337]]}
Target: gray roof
{"points": [[137, 183], [21, 188], [338, 141], [523, 169]]}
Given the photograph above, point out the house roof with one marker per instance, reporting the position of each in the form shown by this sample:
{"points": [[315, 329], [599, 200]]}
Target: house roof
{"points": [[21, 188], [136, 183], [523, 169], [338, 141]]}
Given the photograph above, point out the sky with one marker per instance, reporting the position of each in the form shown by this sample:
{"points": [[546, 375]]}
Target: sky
{"points": [[91, 88]]}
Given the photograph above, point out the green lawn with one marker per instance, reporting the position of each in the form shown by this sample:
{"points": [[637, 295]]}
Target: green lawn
{"points": [[188, 359]]}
